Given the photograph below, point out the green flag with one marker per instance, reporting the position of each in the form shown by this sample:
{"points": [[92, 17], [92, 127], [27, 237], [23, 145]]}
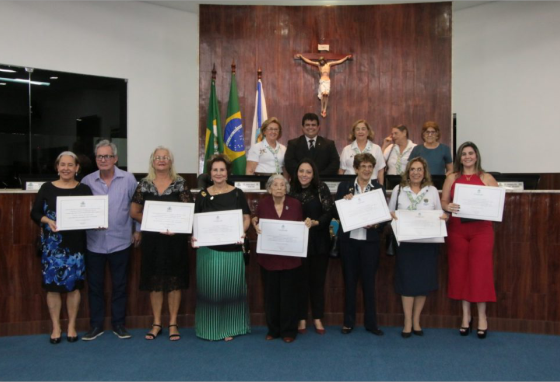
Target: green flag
{"points": [[233, 134], [214, 141]]}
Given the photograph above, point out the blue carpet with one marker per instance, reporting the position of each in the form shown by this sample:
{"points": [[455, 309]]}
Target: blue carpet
{"points": [[440, 355]]}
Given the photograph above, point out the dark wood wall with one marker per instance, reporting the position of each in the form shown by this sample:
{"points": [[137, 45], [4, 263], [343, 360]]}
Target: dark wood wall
{"points": [[401, 71], [526, 258]]}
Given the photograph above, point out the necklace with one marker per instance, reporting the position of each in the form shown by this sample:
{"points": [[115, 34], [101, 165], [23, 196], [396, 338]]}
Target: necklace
{"points": [[468, 177]]}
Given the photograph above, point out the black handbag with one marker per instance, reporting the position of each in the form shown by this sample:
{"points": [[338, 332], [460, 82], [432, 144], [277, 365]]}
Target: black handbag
{"points": [[334, 252], [391, 244]]}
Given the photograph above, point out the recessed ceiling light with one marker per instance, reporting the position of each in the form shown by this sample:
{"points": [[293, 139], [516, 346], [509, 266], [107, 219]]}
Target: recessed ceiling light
{"points": [[7, 70], [2, 83], [54, 78]]}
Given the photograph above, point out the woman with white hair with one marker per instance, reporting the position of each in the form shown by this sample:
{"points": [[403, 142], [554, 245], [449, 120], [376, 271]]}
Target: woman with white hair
{"points": [[62, 253], [280, 273], [165, 254]]}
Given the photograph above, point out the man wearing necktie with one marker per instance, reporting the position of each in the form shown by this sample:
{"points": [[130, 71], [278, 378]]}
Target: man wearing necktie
{"points": [[311, 145]]}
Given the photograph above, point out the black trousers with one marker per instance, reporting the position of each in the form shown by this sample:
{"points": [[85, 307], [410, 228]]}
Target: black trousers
{"points": [[95, 268], [359, 260], [281, 301], [312, 286]]}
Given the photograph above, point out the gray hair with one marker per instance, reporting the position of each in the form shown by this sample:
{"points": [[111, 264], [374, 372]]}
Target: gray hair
{"points": [[273, 178], [106, 143], [67, 153]]}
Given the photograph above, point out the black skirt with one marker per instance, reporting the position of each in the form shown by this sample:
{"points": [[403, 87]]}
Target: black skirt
{"points": [[416, 272]]}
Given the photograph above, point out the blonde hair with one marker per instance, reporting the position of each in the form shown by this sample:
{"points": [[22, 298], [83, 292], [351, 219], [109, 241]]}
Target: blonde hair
{"points": [[265, 124], [405, 178], [352, 135], [151, 170]]}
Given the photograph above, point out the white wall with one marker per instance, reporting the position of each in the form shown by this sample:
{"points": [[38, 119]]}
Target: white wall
{"points": [[155, 48], [506, 83]]}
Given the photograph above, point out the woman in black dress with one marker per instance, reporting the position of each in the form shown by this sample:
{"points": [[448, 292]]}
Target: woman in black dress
{"points": [[317, 204], [62, 252], [165, 259]]}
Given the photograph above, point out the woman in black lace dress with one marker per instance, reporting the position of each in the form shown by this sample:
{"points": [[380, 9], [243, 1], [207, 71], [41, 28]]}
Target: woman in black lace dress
{"points": [[317, 204], [164, 255]]}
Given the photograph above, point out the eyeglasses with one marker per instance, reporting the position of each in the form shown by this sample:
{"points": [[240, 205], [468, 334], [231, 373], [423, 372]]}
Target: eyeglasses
{"points": [[104, 157], [158, 158], [430, 132]]}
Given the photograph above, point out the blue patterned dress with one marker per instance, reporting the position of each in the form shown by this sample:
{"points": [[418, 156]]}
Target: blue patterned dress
{"points": [[62, 257]]}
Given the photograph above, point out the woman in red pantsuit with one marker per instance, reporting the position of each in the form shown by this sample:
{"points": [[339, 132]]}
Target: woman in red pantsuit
{"points": [[470, 243]]}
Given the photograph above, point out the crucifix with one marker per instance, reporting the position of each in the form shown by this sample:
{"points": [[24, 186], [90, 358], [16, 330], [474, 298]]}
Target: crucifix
{"points": [[320, 61]]}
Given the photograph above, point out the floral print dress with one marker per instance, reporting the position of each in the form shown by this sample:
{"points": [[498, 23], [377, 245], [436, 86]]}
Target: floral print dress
{"points": [[63, 252]]}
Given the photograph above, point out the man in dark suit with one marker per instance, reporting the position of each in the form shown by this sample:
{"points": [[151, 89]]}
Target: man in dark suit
{"points": [[311, 145]]}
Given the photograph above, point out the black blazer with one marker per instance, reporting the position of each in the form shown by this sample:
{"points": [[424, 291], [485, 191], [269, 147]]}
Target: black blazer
{"points": [[326, 157], [345, 188]]}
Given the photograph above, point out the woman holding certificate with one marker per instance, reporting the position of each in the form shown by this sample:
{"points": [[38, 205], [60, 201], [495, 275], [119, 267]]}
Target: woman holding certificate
{"points": [[416, 272], [317, 205], [470, 243], [222, 311], [280, 273], [165, 262], [62, 253], [359, 249]]}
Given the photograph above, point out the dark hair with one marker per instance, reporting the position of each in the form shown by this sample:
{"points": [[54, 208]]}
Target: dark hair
{"points": [[458, 166], [405, 178], [363, 157], [434, 126], [402, 128], [218, 158], [296, 185], [310, 117]]}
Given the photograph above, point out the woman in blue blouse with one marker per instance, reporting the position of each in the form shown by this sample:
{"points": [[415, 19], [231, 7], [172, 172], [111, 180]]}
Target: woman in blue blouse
{"points": [[435, 153]]}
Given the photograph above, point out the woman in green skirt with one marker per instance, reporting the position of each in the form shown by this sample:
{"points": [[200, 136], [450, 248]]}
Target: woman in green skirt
{"points": [[222, 311]]}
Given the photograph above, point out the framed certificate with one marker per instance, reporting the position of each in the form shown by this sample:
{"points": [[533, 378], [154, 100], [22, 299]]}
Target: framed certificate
{"points": [[218, 228], [363, 210], [419, 224], [174, 217], [82, 212], [479, 202], [282, 237]]}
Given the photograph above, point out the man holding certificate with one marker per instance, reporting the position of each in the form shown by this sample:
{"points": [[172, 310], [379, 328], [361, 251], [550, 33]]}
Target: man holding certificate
{"points": [[470, 243], [416, 272], [359, 249], [280, 273], [165, 262]]}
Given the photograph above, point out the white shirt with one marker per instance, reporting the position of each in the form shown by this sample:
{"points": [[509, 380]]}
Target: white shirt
{"points": [[266, 157], [360, 233], [397, 161], [426, 199], [314, 141], [348, 153]]}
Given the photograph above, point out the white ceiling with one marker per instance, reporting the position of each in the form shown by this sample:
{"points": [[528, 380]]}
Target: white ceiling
{"points": [[192, 5]]}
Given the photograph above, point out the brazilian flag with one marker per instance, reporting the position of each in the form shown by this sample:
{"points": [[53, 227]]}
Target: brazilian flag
{"points": [[214, 141], [233, 134]]}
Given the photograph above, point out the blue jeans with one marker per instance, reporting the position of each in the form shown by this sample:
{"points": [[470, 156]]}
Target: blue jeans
{"points": [[95, 268]]}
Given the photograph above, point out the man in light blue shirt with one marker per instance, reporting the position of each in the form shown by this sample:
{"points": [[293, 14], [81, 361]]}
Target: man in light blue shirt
{"points": [[112, 245]]}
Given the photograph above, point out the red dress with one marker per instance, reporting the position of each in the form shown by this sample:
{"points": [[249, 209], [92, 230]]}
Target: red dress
{"points": [[470, 254]]}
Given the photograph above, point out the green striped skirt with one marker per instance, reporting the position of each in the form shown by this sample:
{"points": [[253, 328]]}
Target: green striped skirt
{"points": [[221, 295]]}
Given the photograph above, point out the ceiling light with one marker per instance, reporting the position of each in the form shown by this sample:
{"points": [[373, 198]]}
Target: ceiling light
{"points": [[22, 81], [54, 78], [7, 70]]}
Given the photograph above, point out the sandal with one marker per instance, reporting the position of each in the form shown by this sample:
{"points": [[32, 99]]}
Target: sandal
{"points": [[151, 336], [174, 337]]}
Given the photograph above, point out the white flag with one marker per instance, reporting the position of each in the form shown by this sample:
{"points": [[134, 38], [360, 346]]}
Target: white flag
{"points": [[260, 113]]}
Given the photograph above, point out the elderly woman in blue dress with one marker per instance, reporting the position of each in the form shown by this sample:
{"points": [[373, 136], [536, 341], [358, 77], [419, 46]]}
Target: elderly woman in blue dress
{"points": [[62, 252], [416, 273]]}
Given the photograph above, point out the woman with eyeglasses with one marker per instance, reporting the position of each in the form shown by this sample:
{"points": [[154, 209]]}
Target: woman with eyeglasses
{"points": [[62, 253], [266, 157], [435, 153], [165, 262]]}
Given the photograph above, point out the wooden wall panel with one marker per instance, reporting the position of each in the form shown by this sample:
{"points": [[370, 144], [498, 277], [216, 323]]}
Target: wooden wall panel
{"points": [[526, 263], [401, 71]]}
